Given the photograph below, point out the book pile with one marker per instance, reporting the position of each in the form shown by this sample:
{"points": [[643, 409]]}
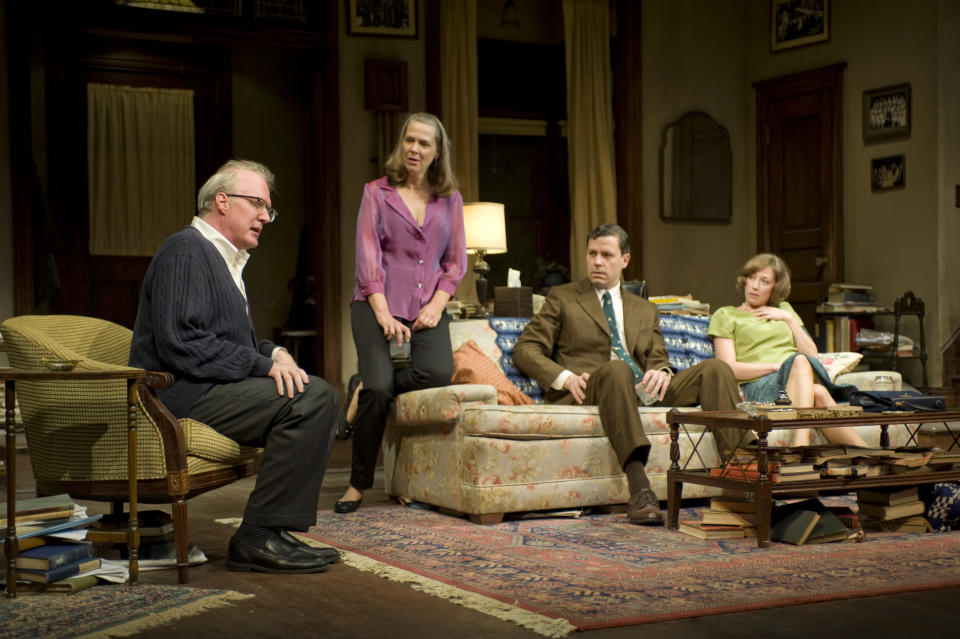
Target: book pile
{"points": [[893, 509], [51, 542], [783, 465], [680, 304], [726, 518], [810, 522], [156, 535]]}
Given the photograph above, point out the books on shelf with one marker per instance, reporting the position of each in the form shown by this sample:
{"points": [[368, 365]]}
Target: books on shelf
{"points": [[680, 304], [754, 475], [61, 572], [53, 555]]}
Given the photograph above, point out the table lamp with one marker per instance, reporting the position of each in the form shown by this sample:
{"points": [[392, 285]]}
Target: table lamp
{"points": [[486, 234]]}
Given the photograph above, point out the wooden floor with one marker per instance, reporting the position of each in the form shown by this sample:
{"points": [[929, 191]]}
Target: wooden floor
{"points": [[344, 602]]}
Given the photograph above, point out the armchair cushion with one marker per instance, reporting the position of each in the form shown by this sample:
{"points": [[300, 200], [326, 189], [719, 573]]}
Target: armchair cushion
{"points": [[838, 363], [471, 366]]}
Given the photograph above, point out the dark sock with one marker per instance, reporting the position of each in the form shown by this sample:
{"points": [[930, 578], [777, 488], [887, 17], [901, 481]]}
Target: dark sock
{"points": [[255, 536], [634, 469]]}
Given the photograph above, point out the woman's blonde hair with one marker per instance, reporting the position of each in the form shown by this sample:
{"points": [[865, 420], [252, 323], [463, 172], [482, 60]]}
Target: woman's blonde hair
{"points": [[781, 274], [440, 174]]}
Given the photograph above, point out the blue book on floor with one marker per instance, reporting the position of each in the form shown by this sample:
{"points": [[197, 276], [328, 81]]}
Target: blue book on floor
{"points": [[54, 555], [67, 570]]}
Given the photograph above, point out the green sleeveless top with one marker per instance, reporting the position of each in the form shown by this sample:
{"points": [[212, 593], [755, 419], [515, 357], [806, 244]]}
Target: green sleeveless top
{"points": [[755, 340]]}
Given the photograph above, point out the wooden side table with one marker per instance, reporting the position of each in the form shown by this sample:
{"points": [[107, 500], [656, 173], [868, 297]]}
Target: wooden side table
{"points": [[133, 377]]}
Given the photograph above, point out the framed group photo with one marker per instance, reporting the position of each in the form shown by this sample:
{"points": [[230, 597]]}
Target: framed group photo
{"points": [[382, 18], [795, 23], [888, 173], [886, 113]]}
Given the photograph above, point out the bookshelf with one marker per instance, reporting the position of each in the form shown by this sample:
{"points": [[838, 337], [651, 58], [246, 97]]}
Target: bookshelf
{"points": [[839, 322]]}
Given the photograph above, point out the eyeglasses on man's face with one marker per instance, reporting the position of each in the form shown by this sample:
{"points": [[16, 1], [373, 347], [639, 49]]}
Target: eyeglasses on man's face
{"points": [[258, 202]]}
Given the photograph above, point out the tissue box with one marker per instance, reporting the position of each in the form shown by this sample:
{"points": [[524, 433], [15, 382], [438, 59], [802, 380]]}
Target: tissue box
{"points": [[513, 301]]}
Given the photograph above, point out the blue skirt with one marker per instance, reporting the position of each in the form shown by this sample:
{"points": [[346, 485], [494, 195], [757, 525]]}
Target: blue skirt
{"points": [[766, 388]]}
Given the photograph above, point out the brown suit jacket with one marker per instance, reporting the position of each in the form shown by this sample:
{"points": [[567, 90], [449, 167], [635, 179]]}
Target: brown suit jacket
{"points": [[571, 333]]}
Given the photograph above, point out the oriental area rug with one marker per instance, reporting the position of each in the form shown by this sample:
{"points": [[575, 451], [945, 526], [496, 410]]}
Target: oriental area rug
{"points": [[106, 610], [558, 575]]}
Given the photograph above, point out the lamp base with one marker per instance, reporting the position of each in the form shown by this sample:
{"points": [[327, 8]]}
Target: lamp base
{"points": [[481, 268]]}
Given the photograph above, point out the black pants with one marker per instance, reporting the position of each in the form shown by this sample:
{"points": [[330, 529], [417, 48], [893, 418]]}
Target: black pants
{"points": [[297, 435], [431, 365]]}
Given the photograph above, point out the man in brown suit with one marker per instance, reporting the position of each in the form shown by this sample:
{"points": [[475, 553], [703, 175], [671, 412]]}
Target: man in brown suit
{"points": [[570, 349]]}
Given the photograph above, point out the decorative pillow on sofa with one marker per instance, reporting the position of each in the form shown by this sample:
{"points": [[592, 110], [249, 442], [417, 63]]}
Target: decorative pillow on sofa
{"points": [[471, 366], [839, 363]]}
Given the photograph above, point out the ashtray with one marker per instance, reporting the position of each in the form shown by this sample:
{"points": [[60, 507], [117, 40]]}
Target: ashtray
{"points": [[59, 364]]}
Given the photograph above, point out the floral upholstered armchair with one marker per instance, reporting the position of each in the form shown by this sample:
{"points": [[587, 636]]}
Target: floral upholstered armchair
{"points": [[459, 449]]}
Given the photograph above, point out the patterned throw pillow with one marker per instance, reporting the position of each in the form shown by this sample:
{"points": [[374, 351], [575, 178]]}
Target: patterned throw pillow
{"points": [[839, 363], [942, 505], [471, 366]]}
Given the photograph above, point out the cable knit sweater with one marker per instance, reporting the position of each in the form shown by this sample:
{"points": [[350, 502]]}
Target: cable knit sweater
{"points": [[193, 322]]}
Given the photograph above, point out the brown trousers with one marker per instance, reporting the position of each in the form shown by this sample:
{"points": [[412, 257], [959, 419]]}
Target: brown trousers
{"points": [[710, 383]]}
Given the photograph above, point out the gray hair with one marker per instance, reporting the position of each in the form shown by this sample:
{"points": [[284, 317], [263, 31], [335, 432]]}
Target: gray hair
{"points": [[440, 175], [225, 180]]}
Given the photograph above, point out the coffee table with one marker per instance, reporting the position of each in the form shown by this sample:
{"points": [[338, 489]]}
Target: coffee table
{"points": [[763, 489]]}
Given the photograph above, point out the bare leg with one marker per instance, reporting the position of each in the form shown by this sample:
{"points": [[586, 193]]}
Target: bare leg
{"points": [[845, 435], [800, 389]]}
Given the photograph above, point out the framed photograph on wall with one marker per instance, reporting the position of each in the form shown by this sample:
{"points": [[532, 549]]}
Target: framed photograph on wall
{"points": [[888, 173], [382, 17], [794, 23], [886, 113]]}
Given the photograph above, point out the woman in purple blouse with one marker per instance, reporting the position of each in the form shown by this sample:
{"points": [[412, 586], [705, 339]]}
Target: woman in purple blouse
{"points": [[411, 254]]}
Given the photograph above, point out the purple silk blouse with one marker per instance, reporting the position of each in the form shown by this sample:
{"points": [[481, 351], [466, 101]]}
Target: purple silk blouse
{"points": [[398, 258]]}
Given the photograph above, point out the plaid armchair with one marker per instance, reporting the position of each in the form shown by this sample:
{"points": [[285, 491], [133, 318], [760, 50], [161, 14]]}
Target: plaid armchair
{"points": [[76, 430]]}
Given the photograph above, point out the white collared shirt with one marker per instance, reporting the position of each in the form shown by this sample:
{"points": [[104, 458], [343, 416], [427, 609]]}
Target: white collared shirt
{"points": [[235, 258]]}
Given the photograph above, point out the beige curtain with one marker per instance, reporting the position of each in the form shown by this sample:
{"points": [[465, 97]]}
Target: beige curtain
{"points": [[593, 198], [459, 105], [140, 166]]}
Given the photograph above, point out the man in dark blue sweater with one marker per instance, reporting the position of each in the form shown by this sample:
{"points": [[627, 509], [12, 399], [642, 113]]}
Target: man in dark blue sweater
{"points": [[194, 322]]}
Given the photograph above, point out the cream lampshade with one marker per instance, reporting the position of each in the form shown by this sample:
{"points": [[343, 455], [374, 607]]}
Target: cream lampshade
{"points": [[486, 234]]}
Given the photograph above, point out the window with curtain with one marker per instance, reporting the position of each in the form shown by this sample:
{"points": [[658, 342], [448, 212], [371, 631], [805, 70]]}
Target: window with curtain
{"points": [[140, 166]]}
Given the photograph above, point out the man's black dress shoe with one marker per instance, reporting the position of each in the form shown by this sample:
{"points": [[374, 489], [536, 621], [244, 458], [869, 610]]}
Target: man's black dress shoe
{"points": [[344, 430], [276, 556], [344, 507], [331, 555]]}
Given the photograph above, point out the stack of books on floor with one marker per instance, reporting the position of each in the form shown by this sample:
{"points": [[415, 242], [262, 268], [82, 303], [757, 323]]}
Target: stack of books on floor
{"points": [[783, 465], [894, 509], [811, 522], [51, 546], [726, 518], [156, 535]]}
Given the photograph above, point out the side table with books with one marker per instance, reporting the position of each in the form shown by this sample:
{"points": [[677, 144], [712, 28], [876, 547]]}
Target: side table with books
{"points": [[758, 482]]}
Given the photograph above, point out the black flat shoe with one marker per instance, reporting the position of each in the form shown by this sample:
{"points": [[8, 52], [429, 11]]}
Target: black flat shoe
{"points": [[344, 430], [276, 556], [344, 507], [330, 555]]}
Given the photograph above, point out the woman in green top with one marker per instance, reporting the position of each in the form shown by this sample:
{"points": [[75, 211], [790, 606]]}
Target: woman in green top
{"points": [[764, 342]]}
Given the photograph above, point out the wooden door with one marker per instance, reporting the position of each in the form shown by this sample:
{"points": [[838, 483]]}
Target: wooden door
{"points": [[800, 180]]}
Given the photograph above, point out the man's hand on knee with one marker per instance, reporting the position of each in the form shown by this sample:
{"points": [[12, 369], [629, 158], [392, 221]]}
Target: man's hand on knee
{"points": [[655, 382], [576, 385], [287, 374]]}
